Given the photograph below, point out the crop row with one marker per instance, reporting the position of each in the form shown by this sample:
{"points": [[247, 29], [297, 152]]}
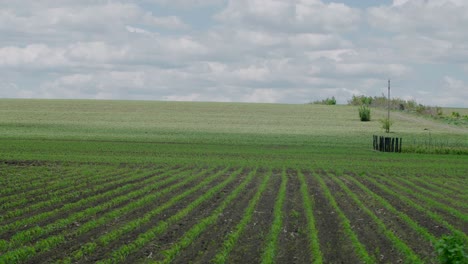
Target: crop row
{"points": [[25, 236], [22, 181], [382, 218], [66, 190]]}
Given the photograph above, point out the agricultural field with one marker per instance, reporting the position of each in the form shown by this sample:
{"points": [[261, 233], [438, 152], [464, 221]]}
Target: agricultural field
{"points": [[165, 182]]}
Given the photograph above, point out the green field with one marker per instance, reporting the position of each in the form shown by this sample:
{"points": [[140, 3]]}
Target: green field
{"points": [[177, 182]]}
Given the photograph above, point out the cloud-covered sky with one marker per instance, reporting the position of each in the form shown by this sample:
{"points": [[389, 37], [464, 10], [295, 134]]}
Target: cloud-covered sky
{"points": [[286, 51]]}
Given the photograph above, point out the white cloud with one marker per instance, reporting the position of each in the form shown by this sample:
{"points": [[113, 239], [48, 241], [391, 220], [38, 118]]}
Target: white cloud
{"points": [[263, 95], [185, 4], [452, 93], [293, 15], [292, 51], [35, 55]]}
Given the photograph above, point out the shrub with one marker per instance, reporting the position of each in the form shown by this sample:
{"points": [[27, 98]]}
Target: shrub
{"points": [[364, 113], [328, 101], [455, 115], [451, 249], [361, 100]]}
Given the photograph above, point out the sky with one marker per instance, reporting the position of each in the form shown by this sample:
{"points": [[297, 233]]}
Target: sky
{"points": [[272, 51]]}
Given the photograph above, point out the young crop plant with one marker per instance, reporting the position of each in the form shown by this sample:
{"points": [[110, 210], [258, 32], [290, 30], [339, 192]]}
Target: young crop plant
{"points": [[436, 217], [431, 203], [410, 222], [30, 234], [308, 203], [70, 206], [122, 252], [401, 246], [115, 234], [201, 226], [441, 197], [269, 252], [61, 195], [231, 239], [359, 248], [19, 237]]}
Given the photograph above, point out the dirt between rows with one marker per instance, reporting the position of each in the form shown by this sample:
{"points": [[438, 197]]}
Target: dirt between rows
{"points": [[153, 251], [293, 246], [33, 184], [65, 214], [75, 242], [249, 247], [448, 200], [293, 240], [421, 246], [79, 195], [448, 189], [208, 244], [432, 225], [334, 243]]}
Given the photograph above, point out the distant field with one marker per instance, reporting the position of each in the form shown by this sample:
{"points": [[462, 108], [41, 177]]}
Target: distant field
{"points": [[172, 182]]}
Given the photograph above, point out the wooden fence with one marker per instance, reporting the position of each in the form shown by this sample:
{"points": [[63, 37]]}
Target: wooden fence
{"points": [[387, 144]]}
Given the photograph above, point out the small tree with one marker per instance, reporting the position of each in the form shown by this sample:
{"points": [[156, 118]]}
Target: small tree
{"points": [[386, 124], [364, 113]]}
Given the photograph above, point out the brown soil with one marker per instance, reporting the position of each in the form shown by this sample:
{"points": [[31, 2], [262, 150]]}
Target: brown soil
{"points": [[176, 230], [74, 242], [447, 216], [208, 244], [446, 199], [293, 241], [366, 229], [251, 243], [334, 245], [420, 246], [63, 215], [70, 189]]}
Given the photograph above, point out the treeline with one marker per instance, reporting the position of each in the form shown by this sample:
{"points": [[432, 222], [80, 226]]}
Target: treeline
{"points": [[396, 104]]}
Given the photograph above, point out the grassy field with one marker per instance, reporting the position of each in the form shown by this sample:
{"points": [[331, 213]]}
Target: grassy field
{"points": [[140, 181]]}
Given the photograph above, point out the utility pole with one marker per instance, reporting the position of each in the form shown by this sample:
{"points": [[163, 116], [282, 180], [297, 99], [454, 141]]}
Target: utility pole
{"points": [[388, 107]]}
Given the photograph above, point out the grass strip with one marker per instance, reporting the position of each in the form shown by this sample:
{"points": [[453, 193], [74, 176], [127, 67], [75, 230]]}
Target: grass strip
{"points": [[308, 203], [436, 217], [401, 246], [270, 250], [231, 239], [359, 248], [124, 251]]}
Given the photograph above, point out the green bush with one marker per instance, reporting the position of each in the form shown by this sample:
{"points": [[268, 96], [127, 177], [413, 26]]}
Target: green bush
{"points": [[451, 250], [328, 101], [364, 113], [360, 100]]}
